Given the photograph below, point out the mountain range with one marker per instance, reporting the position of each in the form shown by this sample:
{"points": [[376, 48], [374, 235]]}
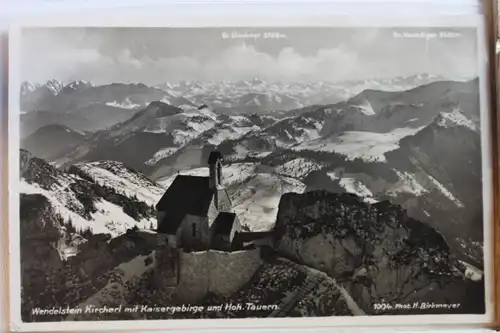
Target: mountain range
{"points": [[84, 106], [401, 145], [96, 159]]}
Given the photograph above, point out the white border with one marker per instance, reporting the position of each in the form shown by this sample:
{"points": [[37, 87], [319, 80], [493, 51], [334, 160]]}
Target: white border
{"points": [[276, 20]]}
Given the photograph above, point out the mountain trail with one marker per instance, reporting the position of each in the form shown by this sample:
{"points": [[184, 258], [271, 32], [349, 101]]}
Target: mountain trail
{"points": [[315, 277]]}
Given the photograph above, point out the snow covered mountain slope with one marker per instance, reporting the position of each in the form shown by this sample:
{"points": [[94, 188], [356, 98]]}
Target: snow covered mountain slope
{"points": [[195, 150], [381, 119], [258, 96], [32, 94], [103, 197], [445, 158], [406, 174], [156, 135], [256, 199], [79, 103], [84, 106], [365, 126], [162, 138], [80, 93], [368, 146], [124, 180], [137, 139], [379, 145]]}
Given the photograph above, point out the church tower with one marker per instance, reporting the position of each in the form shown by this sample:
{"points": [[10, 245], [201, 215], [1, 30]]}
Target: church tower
{"points": [[215, 169]]}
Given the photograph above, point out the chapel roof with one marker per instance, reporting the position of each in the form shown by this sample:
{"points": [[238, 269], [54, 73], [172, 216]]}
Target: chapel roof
{"points": [[224, 223], [187, 195]]}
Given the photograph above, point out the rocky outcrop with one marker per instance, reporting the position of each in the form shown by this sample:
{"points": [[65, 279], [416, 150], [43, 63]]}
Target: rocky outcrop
{"points": [[376, 251], [49, 281], [36, 170], [41, 231]]}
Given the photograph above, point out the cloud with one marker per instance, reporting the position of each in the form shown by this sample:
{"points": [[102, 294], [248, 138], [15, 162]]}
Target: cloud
{"points": [[238, 62], [246, 62], [365, 53], [38, 65]]}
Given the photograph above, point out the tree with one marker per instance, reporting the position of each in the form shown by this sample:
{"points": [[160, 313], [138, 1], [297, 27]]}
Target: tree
{"points": [[131, 210], [70, 227], [86, 233]]}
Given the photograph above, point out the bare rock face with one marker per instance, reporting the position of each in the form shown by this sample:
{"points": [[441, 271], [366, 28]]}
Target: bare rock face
{"points": [[40, 234], [35, 170], [376, 252]]}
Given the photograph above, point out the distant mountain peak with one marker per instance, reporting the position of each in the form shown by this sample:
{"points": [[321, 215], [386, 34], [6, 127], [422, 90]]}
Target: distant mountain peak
{"points": [[27, 87], [54, 127], [54, 86], [454, 118], [163, 108], [79, 85], [51, 141], [154, 110]]}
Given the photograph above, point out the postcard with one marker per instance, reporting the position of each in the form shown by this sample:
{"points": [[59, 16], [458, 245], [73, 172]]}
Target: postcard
{"points": [[259, 174]]}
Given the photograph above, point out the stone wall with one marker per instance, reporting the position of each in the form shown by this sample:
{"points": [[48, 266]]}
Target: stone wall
{"points": [[167, 268], [229, 271], [218, 272], [193, 276]]}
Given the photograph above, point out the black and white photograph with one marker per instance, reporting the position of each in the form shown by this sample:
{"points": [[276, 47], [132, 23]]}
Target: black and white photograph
{"points": [[192, 173]]}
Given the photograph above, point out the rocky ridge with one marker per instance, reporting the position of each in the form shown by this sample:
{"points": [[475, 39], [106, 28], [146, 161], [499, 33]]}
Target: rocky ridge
{"points": [[376, 250]]}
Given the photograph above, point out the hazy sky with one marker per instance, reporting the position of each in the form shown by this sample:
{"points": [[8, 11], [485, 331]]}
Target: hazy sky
{"points": [[155, 55]]}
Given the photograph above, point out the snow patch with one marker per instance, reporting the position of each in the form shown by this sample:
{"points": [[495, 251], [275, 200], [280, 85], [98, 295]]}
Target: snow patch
{"points": [[445, 192], [365, 108], [471, 272], [406, 184], [111, 219], [165, 100], [126, 104], [161, 154], [352, 185], [368, 146], [230, 133]]}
